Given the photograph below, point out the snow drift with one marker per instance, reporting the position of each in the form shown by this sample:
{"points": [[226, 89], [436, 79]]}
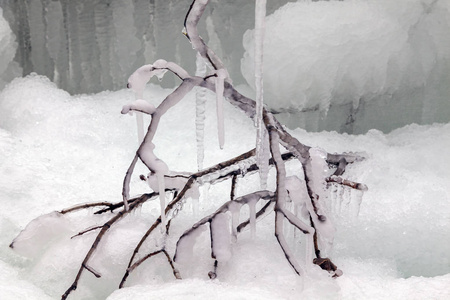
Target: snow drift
{"points": [[79, 148]]}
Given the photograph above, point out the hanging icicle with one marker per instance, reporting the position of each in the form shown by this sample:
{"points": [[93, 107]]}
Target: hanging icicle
{"points": [[262, 151], [220, 80], [200, 107]]}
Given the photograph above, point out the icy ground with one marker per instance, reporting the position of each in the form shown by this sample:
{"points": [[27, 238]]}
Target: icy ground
{"points": [[58, 150]]}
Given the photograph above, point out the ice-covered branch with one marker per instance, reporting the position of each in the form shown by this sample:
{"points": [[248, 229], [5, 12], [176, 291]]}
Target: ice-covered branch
{"points": [[307, 191], [346, 182], [218, 223], [97, 240]]}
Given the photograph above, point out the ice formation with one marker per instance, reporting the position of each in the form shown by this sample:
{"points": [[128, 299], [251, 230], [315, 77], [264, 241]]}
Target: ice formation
{"points": [[262, 149], [397, 248], [87, 46], [39, 234], [8, 46], [145, 153], [200, 107], [222, 74], [355, 65], [388, 59]]}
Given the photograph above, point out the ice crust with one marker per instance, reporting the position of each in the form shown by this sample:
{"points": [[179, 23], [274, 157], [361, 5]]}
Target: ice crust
{"points": [[72, 149], [356, 65]]}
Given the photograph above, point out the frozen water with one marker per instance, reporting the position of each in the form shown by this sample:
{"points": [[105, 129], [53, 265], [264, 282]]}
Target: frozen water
{"points": [[221, 237], [8, 46], [72, 149], [387, 58], [220, 80], [261, 135], [87, 46], [356, 65], [200, 102]]}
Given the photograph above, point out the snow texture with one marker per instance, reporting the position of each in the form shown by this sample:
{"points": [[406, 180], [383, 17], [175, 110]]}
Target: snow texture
{"points": [[58, 150]]}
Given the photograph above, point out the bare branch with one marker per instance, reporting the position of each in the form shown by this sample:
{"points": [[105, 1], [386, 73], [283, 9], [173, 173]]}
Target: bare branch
{"points": [[349, 183]]}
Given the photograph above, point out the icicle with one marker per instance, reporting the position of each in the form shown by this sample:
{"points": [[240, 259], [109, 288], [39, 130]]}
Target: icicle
{"points": [[162, 199], [252, 208], [356, 202], [261, 134], [263, 155], [309, 249], [195, 205], [220, 79], [200, 108], [185, 246], [235, 211], [220, 238]]}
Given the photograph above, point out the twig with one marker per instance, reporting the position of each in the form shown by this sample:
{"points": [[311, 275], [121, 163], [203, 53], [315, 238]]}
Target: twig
{"points": [[87, 230], [349, 183], [85, 206], [97, 240]]}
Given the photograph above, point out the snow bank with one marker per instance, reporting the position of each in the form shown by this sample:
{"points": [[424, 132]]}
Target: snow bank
{"points": [[77, 148], [368, 64]]}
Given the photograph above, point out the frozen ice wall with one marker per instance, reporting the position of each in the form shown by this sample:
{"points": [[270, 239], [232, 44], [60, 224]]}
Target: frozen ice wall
{"points": [[329, 65], [355, 65], [94, 45], [8, 46]]}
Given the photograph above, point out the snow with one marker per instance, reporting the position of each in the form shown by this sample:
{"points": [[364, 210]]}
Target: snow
{"points": [[58, 150]]}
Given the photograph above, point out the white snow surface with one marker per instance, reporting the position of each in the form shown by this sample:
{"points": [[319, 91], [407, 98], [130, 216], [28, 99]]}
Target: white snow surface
{"points": [[58, 150]]}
